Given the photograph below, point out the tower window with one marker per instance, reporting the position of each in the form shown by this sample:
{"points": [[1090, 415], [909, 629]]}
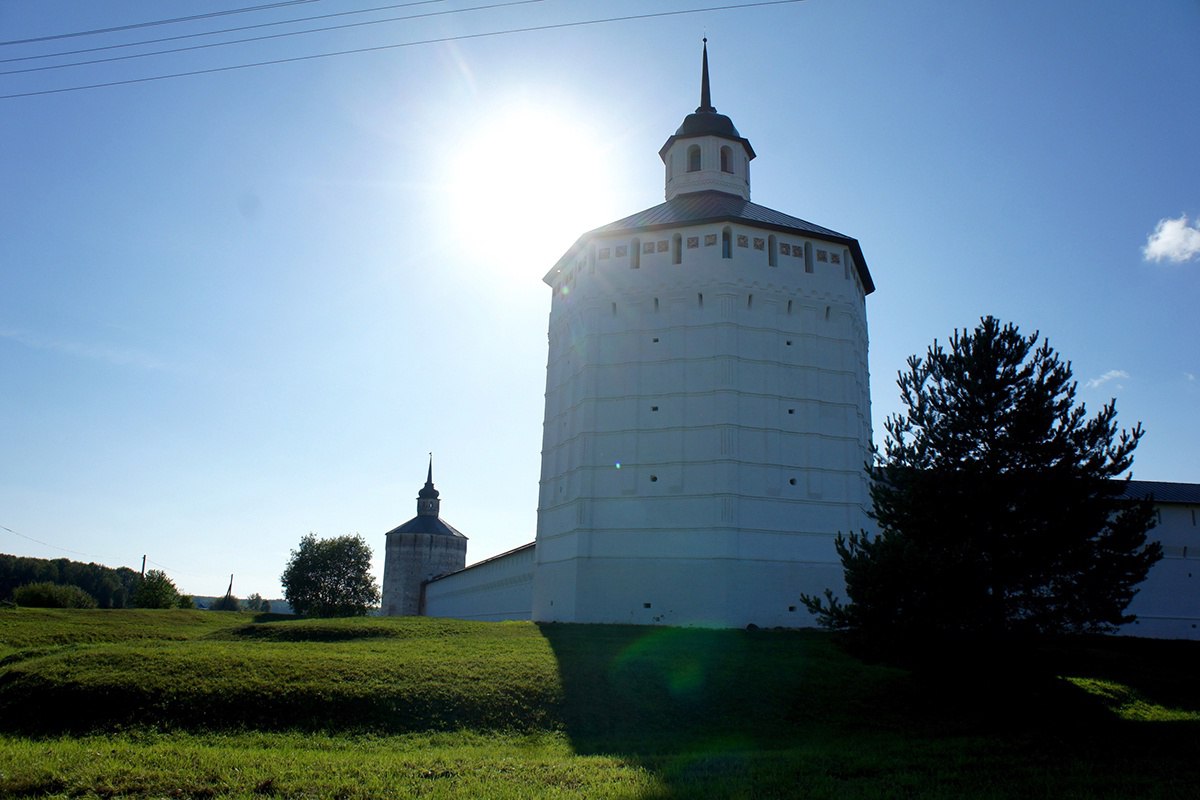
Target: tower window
{"points": [[700, 304], [749, 301], [808, 257], [635, 254], [772, 251], [726, 243], [677, 249], [654, 479], [726, 159], [693, 156], [656, 305]]}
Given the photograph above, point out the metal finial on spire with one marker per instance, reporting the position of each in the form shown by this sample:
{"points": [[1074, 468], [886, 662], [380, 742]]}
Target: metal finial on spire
{"points": [[706, 105], [429, 478]]}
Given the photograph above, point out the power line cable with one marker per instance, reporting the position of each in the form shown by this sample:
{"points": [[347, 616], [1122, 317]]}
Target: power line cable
{"points": [[153, 23], [273, 36], [47, 544], [439, 40], [217, 32]]}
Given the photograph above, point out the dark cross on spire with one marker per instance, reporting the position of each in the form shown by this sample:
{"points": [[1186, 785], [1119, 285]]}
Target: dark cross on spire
{"points": [[706, 106]]}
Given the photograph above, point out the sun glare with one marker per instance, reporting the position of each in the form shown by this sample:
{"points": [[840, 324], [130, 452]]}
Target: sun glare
{"points": [[525, 185]]}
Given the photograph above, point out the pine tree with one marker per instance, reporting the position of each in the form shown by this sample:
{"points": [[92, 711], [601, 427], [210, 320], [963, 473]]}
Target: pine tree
{"points": [[999, 511]]}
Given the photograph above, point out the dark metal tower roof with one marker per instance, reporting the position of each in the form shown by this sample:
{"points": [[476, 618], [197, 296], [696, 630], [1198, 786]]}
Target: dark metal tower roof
{"points": [[706, 121], [700, 208]]}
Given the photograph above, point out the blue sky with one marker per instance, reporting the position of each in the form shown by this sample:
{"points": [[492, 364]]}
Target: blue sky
{"points": [[241, 306]]}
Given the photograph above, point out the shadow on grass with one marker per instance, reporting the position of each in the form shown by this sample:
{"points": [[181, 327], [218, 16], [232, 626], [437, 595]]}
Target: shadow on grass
{"points": [[720, 713]]}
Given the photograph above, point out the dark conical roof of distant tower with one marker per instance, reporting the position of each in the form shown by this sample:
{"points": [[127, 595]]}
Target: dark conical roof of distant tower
{"points": [[428, 521], [705, 121]]}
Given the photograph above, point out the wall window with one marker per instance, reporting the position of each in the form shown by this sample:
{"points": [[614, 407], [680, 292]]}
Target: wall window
{"points": [[677, 249], [635, 254], [772, 251], [693, 156], [726, 159], [726, 243]]}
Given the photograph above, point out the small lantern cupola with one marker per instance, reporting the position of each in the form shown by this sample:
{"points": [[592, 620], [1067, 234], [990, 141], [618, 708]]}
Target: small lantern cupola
{"points": [[707, 153], [428, 504]]}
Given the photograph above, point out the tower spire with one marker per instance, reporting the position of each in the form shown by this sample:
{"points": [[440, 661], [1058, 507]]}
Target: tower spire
{"points": [[706, 106], [428, 504]]}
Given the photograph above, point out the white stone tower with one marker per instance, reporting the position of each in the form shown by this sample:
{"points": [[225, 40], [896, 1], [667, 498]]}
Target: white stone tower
{"points": [[422, 548], [707, 404]]}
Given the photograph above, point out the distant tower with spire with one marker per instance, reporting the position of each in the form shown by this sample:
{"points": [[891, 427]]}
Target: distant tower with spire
{"points": [[707, 412], [420, 549]]}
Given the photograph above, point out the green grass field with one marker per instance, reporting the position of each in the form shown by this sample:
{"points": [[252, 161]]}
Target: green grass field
{"points": [[205, 704]]}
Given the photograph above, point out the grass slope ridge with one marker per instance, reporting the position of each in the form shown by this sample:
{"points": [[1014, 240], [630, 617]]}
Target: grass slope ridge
{"points": [[205, 704]]}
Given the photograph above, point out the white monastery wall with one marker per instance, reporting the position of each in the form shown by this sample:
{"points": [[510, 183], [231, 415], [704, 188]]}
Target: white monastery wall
{"points": [[1167, 604], [496, 589]]}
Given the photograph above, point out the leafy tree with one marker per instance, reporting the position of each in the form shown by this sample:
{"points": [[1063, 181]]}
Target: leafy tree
{"points": [[52, 595], [112, 588], [185, 601], [330, 577], [156, 591], [227, 602], [998, 513], [255, 602]]}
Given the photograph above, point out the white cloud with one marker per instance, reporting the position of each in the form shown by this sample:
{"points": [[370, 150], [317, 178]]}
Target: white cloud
{"points": [[1111, 375], [119, 356], [1174, 240]]}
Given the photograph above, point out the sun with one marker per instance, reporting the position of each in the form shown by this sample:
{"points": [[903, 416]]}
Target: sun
{"points": [[525, 184]]}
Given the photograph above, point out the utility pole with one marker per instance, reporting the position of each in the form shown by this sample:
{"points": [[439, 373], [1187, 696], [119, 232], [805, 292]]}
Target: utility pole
{"points": [[143, 566]]}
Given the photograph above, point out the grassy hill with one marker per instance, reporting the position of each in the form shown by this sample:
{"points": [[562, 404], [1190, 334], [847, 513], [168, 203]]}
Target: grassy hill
{"points": [[206, 704]]}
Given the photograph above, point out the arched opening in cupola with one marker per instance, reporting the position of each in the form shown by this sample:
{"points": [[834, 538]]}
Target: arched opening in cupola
{"points": [[693, 158], [726, 159]]}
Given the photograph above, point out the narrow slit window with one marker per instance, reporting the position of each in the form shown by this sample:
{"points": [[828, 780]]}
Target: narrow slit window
{"points": [[635, 254], [772, 251], [726, 243], [677, 249]]}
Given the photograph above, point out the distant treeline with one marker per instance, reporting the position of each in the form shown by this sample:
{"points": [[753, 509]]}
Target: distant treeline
{"points": [[112, 588]]}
